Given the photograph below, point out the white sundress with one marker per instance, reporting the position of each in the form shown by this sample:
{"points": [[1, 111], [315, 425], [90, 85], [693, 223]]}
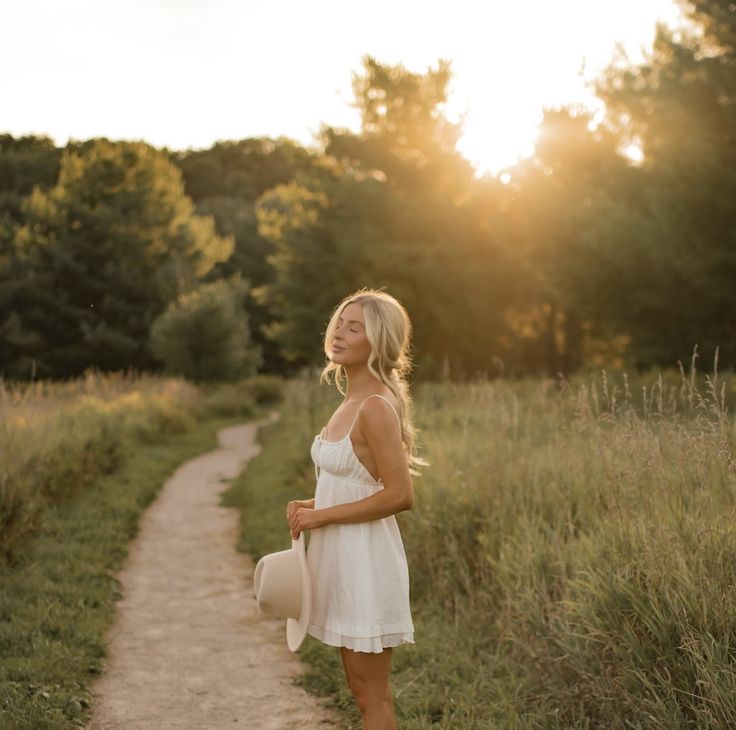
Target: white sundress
{"points": [[359, 572]]}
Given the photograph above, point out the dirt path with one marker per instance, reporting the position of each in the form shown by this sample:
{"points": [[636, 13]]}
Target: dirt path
{"points": [[190, 648]]}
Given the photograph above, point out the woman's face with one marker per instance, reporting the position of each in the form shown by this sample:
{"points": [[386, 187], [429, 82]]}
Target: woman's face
{"points": [[350, 344]]}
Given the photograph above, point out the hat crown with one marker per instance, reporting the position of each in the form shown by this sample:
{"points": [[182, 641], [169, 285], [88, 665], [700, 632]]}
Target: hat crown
{"points": [[278, 584], [282, 587]]}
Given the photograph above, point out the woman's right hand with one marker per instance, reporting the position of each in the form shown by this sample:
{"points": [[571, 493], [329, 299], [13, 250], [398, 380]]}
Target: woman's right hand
{"points": [[294, 505]]}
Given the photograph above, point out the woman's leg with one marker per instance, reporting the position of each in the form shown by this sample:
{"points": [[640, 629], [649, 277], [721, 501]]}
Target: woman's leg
{"points": [[368, 678], [342, 650]]}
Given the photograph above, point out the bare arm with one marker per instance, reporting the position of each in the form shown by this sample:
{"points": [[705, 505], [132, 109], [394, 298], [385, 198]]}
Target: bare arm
{"points": [[378, 505]]}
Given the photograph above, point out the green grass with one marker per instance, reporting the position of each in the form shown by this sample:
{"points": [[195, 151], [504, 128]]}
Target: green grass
{"points": [[58, 602], [58, 594], [572, 551]]}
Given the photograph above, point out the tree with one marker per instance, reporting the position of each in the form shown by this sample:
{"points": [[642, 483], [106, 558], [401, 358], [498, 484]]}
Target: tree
{"points": [[103, 252], [325, 230], [404, 132], [204, 335], [678, 240], [393, 207], [558, 195], [25, 162], [225, 181]]}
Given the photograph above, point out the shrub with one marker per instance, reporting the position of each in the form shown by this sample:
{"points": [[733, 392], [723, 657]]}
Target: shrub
{"points": [[266, 388], [204, 334]]}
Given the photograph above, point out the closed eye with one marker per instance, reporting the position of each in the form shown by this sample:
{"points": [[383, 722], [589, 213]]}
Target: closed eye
{"points": [[351, 329]]}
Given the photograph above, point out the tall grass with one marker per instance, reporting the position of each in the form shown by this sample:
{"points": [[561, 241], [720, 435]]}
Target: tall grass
{"points": [[572, 551], [587, 543], [58, 438]]}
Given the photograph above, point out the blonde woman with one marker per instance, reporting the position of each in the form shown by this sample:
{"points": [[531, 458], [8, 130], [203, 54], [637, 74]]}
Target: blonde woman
{"points": [[363, 461]]}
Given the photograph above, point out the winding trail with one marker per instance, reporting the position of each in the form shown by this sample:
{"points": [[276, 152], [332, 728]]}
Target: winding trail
{"points": [[190, 647]]}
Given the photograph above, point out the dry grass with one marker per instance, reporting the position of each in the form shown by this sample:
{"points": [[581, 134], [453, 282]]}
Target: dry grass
{"points": [[58, 438], [572, 551]]}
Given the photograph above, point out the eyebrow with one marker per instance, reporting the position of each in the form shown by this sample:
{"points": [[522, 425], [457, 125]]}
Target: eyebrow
{"points": [[357, 321]]}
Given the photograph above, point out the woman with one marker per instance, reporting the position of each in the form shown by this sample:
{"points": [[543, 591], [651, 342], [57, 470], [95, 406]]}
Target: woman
{"points": [[364, 462]]}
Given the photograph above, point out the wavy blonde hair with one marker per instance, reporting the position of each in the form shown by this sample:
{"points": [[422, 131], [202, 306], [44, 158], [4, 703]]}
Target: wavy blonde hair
{"points": [[388, 330]]}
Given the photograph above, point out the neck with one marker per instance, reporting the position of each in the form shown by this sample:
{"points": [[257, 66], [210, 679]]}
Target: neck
{"points": [[361, 382]]}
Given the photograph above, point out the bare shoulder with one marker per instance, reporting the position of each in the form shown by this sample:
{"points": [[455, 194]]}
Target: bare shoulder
{"points": [[377, 413]]}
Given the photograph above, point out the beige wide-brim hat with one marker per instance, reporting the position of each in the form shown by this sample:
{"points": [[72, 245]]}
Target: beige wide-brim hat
{"points": [[283, 588]]}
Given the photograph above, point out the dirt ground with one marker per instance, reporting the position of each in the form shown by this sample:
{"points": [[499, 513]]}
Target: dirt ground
{"points": [[190, 647]]}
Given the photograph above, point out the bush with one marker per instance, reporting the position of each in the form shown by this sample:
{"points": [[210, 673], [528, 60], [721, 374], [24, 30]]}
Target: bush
{"points": [[241, 398], [205, 335], [266, 388], [57, 440]]}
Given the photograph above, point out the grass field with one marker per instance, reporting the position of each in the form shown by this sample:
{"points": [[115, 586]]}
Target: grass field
{"points": [[572, 546], [572, 551]]}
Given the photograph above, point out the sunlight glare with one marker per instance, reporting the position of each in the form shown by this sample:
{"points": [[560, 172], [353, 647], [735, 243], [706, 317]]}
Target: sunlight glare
{"points": [[180, 74]]}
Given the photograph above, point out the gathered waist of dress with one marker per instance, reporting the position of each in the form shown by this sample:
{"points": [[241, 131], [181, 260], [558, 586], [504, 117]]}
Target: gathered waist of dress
{"points": [[342, 478]]}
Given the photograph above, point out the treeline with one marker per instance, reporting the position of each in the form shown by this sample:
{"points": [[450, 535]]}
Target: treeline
{"points": [[575, 257]]}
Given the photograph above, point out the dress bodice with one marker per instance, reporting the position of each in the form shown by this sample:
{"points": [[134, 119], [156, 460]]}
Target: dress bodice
{"points": [[339, 457]]}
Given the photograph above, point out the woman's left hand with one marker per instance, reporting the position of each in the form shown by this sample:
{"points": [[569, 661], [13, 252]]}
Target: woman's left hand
{"points": [[305, 518]]}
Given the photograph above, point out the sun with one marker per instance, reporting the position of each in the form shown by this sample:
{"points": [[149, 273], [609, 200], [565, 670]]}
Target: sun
{"points": [[491, 145], [505, 79]]}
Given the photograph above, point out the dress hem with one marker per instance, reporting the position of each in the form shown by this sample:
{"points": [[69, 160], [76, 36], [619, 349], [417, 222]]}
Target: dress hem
{"points": [[371, 644]]}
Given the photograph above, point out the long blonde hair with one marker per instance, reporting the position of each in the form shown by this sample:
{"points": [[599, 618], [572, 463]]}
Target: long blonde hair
{"points": [[388, 330]]}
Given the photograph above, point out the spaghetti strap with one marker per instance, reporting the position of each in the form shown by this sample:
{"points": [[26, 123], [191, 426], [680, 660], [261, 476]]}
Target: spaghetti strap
{"points": [[361, 405], [398, 419], [355, 418]]}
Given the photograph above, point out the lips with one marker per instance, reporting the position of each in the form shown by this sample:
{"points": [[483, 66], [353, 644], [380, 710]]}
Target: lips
{"points": [[336, 348]]}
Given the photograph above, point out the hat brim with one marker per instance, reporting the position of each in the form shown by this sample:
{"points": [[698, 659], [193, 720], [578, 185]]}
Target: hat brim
{"points": [[296, 628]]}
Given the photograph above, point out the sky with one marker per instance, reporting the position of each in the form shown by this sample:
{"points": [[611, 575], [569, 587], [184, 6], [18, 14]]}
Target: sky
{"points": [[184, 74]]}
